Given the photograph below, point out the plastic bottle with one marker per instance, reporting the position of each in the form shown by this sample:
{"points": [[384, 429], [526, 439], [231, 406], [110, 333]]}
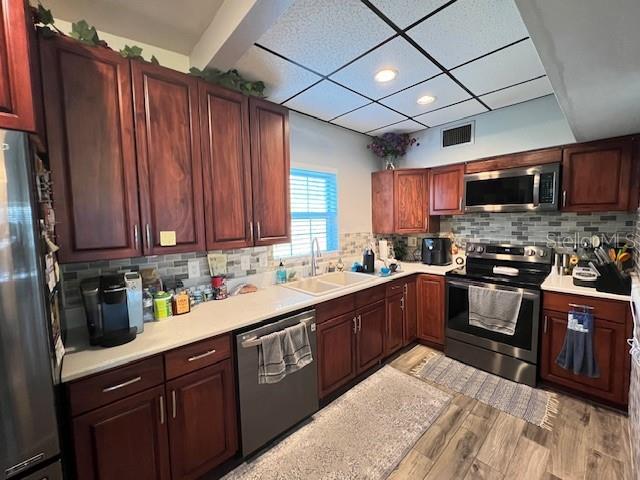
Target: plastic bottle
{"points": [[281, 274]]}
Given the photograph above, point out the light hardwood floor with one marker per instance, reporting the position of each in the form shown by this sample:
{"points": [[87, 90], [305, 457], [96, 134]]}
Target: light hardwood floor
{"points": [[471, 440]]}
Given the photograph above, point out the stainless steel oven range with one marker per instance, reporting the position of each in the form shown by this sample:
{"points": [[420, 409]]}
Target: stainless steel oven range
{"points": [[502, 267]]}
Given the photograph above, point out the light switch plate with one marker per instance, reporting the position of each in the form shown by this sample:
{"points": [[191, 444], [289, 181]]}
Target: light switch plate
{"points": [[245, 262], [412, 241], [193, 266]]}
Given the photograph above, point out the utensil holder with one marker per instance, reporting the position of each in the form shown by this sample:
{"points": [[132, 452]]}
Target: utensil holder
{"points": [[611, 280]]}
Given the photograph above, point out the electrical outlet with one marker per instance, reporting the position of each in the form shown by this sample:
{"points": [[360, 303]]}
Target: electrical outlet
{"points": [[245, 262], [193, 266], [412, 241]]}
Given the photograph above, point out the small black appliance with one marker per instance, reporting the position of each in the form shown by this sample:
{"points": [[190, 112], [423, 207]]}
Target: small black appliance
{"points": [[369, 261], [436, 251]]}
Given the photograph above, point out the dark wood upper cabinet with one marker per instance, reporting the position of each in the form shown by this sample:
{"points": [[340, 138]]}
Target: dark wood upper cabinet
{"points": [[124, 440], [596, 177], [224, 123], [16, 83], [202, 420], [167, 128], [446, 187], [336, 353], [370, 335], [531, 158], [430, 289], [89, 117], [270, 171], [399, 202]]}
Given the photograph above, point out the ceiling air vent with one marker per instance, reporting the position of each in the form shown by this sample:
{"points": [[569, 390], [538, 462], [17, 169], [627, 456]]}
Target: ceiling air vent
{"points": [[458, 135]]}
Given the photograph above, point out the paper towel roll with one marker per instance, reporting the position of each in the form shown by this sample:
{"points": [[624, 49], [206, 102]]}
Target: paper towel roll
{"points": [[383, 249]]}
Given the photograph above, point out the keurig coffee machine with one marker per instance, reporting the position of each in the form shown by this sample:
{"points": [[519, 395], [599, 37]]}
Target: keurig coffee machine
{"points": [[107, 310]]}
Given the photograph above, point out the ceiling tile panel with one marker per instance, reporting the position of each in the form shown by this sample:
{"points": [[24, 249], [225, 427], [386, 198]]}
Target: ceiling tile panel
{"points": [[326, 100], [468, 29], [405, 12], [368, 118], [507, 67], [406, 126], [399, 55], [324, 35], [282, 79], [452, 113], [519, 93], [445, 91]]}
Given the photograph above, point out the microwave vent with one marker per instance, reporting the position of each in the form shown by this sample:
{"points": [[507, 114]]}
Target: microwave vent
{"points": [[458, 135]]}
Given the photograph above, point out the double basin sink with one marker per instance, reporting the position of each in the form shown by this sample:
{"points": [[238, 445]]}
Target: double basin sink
{"points": [[329, 282]]}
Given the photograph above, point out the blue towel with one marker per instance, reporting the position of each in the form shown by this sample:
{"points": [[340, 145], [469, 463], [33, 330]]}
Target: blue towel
{"points": [[577, 351]]}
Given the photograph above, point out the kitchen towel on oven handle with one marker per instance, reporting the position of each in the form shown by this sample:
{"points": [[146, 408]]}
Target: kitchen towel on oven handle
{"points": [[577, 352]]}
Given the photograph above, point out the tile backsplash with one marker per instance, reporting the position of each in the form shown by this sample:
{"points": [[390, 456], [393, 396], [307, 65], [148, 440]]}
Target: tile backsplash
{"points": [[175, 266], [538, 228]]}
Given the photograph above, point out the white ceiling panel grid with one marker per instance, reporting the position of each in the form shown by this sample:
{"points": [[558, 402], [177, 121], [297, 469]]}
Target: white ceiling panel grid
{"points": [[442, 88], [368, 118], [326, 100], [411, 67], [518, 93], [452, 113], [468, 29], [282, 78], [471, 55], [325, 35], [512, 65]]}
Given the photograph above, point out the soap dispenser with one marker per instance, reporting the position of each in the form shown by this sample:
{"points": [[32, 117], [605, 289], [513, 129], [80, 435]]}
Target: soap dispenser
{"points": [[281, 274]]}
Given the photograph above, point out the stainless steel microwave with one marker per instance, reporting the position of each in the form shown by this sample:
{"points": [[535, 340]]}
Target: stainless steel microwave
{"points": [[513, 190]]}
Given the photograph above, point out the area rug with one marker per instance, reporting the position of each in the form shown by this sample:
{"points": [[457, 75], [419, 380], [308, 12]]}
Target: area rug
{"points": [[535, 406], [364, 434]]}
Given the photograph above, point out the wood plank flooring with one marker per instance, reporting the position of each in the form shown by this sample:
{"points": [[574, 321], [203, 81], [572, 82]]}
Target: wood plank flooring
{"points": [[471, 440]]}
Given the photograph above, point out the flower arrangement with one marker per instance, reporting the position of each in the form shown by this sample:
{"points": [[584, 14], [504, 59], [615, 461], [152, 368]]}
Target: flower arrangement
{"points": [[391, 146]]}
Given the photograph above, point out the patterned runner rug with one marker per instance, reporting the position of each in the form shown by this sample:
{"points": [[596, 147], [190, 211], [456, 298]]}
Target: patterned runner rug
{"points": [[364, 434], [535, 406]]}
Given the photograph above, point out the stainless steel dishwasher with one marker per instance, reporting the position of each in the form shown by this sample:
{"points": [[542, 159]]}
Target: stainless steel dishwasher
{"points": [[267, 410]]}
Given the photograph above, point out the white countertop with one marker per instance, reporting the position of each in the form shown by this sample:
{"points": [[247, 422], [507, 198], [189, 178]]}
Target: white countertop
{"points": [[208, 320], [564, 284]]}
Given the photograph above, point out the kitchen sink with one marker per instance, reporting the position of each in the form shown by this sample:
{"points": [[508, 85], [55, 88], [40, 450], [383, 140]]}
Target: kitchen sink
{"points": [[328, 283]]}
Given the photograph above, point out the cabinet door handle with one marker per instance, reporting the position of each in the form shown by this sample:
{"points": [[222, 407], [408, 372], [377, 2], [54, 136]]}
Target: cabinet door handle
{"points": [[405, 288], [136, 236], [148, 233], [201, 355], [251, 230], [546, 319], [564, 198], [161, 409], [355, 325], [174, 407], [259, 234], [402, 303], [359, 322], [460, 204], [121, 385]]}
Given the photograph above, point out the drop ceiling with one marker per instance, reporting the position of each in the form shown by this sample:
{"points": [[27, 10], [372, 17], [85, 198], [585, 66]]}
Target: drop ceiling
{"points": [[473, 56]]}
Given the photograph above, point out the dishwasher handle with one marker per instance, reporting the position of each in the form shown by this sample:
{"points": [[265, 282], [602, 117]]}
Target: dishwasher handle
{"points": [[255, 340]]}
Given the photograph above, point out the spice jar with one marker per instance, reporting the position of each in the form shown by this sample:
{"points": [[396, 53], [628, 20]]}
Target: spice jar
{"points": [[219, 287], [181, 303]]}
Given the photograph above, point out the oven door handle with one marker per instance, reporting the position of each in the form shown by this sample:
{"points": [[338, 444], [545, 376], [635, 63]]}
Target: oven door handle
{"points": [[526, 293]]}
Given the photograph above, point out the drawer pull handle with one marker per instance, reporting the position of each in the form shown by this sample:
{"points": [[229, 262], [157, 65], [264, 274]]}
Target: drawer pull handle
{"points": [[121, 385], [202, 355]]}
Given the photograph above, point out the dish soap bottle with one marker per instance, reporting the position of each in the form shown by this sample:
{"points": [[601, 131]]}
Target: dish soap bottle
{"points": [[281, 274]]}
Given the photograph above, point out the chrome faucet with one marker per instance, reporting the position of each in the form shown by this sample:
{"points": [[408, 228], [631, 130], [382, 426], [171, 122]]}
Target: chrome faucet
{"points": [[315, 254]]}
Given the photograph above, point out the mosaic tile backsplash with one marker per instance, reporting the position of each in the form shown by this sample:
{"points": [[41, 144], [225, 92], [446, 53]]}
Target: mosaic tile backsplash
{"points": [[175, 266]]}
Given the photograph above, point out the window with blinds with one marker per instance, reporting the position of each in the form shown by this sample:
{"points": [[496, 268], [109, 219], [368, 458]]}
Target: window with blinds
{"points": [[314, 213]]}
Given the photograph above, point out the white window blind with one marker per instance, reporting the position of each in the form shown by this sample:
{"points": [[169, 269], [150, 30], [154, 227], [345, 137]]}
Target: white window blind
{"points": [[314, 213]]}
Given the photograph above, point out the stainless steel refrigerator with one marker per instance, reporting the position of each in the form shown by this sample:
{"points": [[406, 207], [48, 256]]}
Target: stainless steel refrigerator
{"points": [[29, 442]]}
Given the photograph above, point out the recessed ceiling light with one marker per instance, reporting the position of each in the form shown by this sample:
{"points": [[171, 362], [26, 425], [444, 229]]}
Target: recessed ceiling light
{"points": [[385, 75], [426, 100]]}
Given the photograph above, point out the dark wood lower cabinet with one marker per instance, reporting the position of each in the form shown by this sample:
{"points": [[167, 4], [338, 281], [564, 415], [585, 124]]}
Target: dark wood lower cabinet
{"points": [[336, 353], [410, 312], [611, 354], [202, 420], [370, 337], [431, 309], [124, 440], [395, 323]]}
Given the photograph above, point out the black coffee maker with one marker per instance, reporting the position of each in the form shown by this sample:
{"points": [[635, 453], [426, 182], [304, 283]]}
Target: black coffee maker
{"points": [[369, 261], [436, 251], [106, 308]]}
